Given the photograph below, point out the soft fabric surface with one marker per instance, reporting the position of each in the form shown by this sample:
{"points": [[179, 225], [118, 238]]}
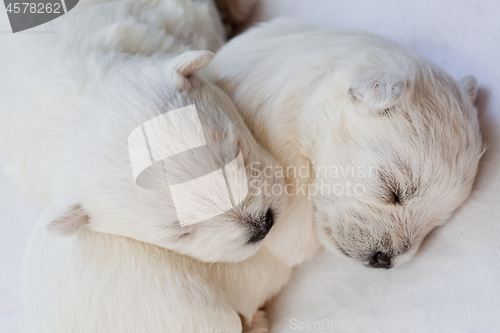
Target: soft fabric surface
{"points": [[452, 283]]}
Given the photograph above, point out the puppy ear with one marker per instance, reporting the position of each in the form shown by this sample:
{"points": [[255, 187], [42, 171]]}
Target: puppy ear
{"points": [[67, 220], [377, 90], [469, 84], [190, 62]]}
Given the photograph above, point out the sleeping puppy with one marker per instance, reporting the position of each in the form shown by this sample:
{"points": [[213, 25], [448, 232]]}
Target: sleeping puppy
{"points": [[71, 99], [388, 143], [70, 103], [95, 282]]}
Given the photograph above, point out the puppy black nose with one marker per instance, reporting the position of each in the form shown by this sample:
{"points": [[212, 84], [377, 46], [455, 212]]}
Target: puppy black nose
{"points": [[262, 226], [380, 260]]}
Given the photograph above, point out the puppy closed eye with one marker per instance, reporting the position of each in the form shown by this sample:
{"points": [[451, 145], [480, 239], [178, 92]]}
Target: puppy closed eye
{"points": [[392, 191], [395, 198], [398, 195]]}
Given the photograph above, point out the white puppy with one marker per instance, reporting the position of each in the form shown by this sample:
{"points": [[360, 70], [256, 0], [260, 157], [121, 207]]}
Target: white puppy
{"points": [[69, 101], [105, 283], [390, 143]]}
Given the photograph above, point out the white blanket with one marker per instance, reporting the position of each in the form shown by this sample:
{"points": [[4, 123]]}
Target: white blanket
{"points": [[452, 285]]}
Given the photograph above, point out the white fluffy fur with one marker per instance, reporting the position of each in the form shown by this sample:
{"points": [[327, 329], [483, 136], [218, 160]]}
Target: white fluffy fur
{"points": [[306, 98], [71, 98], [96, 282], [321, 98], [69, 101]]}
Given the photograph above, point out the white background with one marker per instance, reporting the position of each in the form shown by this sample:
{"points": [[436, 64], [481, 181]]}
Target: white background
{"points": [[453, 284]]}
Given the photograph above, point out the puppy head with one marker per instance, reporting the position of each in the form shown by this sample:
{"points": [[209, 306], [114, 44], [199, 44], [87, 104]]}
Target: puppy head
{"points": [[206, 184], [399, 155]]}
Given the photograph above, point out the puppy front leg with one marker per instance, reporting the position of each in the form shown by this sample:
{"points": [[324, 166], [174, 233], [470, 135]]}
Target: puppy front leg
{"points": [[259, 323]]}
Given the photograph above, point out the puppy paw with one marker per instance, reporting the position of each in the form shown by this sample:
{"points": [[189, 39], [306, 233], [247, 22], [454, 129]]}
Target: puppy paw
{"points": [[259, 323]]}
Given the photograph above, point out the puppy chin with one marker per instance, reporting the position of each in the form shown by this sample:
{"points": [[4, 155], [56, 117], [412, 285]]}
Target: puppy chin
{"points": [[403, 258], [331, 245]]}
